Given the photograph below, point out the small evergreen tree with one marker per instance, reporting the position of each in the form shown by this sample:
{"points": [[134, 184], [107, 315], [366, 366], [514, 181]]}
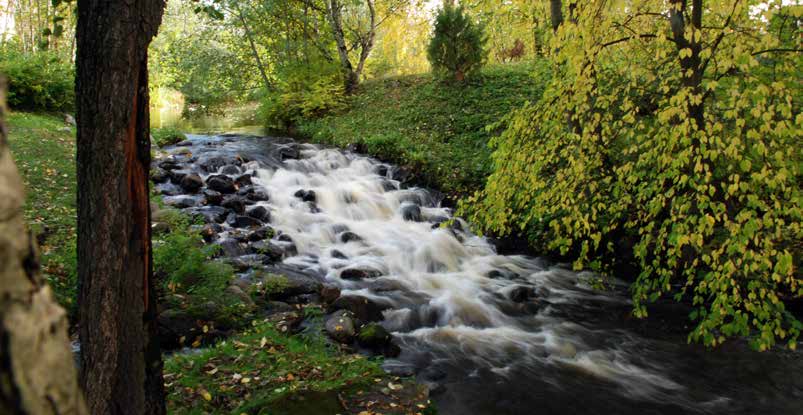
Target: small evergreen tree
{"points": [[457, 47]]}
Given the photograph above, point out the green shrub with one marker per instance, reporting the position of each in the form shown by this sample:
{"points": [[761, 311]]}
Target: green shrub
{"points": [[41, 81], [185, 263], [167, 136], [303, 94], [457, 47]]}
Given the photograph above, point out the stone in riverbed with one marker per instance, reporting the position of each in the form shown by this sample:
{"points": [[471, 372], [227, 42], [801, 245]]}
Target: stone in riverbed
{"points": [[363, 308], [337, 254], [230, 170], [272, 251], [213, 197], [221, 183], [306, 195], [231, 248], [265, 232], [210, 231], [180, 202], [192, 182], [159, 175], [340, 326], [359, 273], [349, 236], [213, 164], [169, 165], [209, 214], [259, 212], [238, 293], [329, 293], [235, 203], [373, 336], [243, 180], [521, 294], [241, 221], [411, 213]]}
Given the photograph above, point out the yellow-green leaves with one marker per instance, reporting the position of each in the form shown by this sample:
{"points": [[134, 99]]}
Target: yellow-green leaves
{"points": [[617, 154]]}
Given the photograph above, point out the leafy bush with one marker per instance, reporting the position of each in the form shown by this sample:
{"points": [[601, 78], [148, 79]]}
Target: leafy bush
{"points": [[185, 263], [457, 47], [41, 81], [167, 136], [691, 169], [303, 94]]}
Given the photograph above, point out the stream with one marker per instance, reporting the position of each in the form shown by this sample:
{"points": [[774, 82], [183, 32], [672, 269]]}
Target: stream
{"points": [[490, 333]]}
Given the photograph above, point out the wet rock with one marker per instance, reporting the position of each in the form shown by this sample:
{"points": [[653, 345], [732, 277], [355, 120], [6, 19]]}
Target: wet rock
{"points": [[243, 180], [359, 273], [213, 197], [337, 254], [306, 195], [259, 212], [185, 143], [329, 293], [289, 286], [389, 186], [399, 369], [213, 164], [239, 294], [495, 274], [373, 336], [363, 308], [209, 214], [239, 265], [289, 152], [258, 196], [381, 169], [235, 203], [433, 374], [176, 327], [210, 231], [265, 232], [349, 236], [286, 321], [411, 212], [176, 176], [231, 248], [159, 175], [385, 285], [340, 326], [192, 183], [271, 251], [221, 183], [391, 349], [242, 221], [230, 170], [521, 294], [180, 202], [169, 165]]}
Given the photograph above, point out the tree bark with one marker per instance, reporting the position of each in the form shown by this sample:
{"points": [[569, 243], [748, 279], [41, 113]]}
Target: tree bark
{"points": [[121, 367], [37, 369], [333, 12]]}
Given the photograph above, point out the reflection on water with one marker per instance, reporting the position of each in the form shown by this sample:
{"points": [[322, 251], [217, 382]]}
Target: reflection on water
{"points": [[169, 109]]}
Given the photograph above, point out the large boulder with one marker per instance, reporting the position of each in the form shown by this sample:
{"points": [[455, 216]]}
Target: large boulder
{"points": [[364, 309], [221, 183], [411, 212], [213, 197], [373, 336], [180, 202], [265, 232], [192, 182], [231, 248], [213, 164], [159, 175], [341, 326], [209, 214], [177, 328], [329, 293], [349, 236], [521, 294], [272, 252], [243, 180], [230, 170]]}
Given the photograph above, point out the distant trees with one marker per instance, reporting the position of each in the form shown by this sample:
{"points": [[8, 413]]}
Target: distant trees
{"points": [[37, 371], [121, 366], [457, 47]]}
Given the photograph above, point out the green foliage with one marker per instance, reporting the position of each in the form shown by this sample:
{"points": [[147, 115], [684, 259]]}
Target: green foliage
{"points": [[437, 130], [266, 366], [304, 92], [167, 136], [686, 143], [185, 264], [457, 47], [44, 151], [41, 81]]}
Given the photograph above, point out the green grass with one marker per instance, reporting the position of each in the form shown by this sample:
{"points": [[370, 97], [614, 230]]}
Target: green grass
{"points": [[253, 372], [167, 136], [437, 130], [43, 147]]}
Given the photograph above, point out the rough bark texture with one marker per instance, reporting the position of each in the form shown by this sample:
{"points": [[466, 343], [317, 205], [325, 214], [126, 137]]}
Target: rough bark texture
{"points": [[37, 369], [334, 9], [121, 367]]}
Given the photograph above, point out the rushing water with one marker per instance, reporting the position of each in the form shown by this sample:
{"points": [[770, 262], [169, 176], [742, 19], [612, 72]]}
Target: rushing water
{"points": [[562, 348]]}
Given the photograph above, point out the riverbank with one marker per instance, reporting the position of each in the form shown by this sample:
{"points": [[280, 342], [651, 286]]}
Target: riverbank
{"points": [[437, 132]]}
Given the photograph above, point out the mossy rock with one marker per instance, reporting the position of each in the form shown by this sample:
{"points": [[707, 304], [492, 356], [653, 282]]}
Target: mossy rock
{"points": [[373, 335]]}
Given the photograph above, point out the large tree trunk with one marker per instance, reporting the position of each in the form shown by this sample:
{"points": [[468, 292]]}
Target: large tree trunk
{"points": [[121, 368], [37, 370]]}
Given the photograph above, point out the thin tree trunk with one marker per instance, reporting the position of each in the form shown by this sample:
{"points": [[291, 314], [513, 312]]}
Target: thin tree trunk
{"points": [[333, 12], [556, 13], [37, 369], [368, 43], [254, 51], [121, 367]]}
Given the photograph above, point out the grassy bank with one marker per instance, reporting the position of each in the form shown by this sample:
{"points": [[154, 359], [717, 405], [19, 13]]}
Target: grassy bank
{"points": [[43, 146], [437, 130]]}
